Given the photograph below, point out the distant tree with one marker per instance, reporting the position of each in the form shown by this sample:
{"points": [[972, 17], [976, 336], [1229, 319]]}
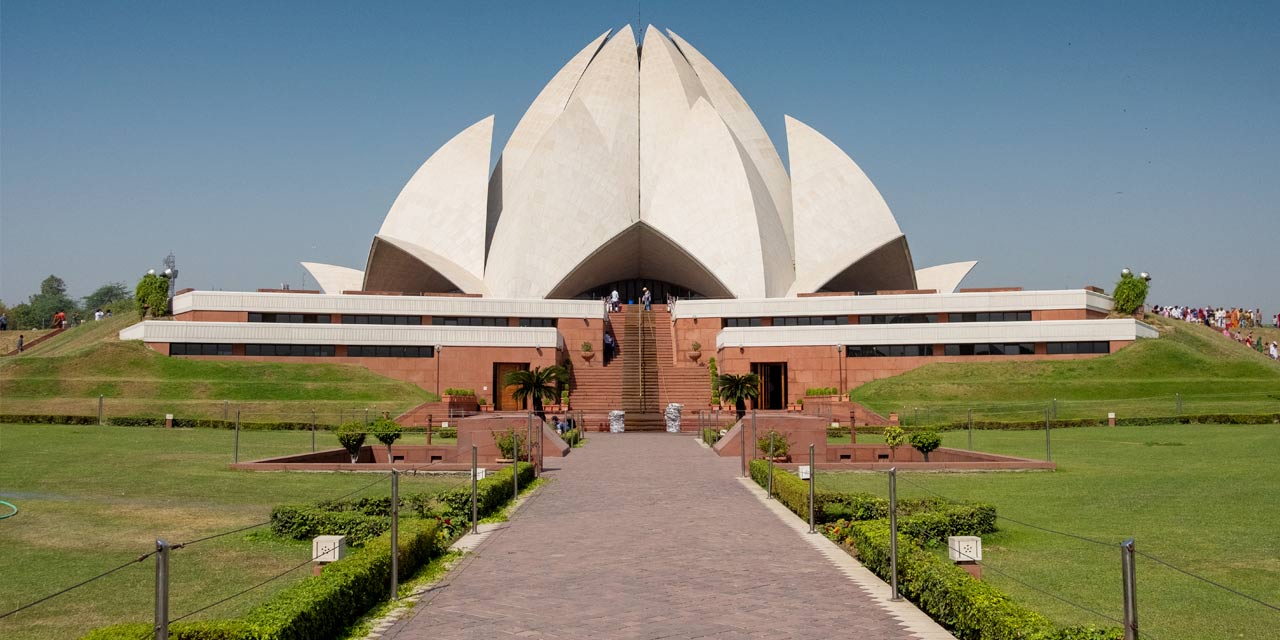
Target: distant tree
{"points": [[539, 384], [894, 436], [737, 389], [1130, 293], [926, 442], [41, 306], [351, 435], [152, 295], [105, 295]]}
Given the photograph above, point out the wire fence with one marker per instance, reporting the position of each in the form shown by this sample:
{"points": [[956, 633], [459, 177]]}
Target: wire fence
{"points": [[192, 586]]}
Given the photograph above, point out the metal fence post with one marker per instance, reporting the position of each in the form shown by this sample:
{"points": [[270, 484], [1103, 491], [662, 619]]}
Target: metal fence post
{"points": [[100, 398], [237, 447], [770, 487], [313, 431], [971, 429], [1130, 590], [225, 406], [366, 416], [515, 464], [1055, 408], [162, 590], [1047, 450], [395, 535], [742, 437], [753, 433], [893, 532], [475, 508], [915, 420], [813, 480]]}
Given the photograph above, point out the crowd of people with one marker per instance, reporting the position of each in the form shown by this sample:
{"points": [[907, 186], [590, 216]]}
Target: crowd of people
{"points": [[1235, 323]]}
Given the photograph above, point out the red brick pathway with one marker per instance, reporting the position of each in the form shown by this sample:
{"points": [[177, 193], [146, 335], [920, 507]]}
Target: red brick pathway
{"points": [[645, 536]]}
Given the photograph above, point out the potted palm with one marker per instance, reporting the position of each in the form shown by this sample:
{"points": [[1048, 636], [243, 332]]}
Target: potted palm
{"points": [[587, 353], [695, 351], [538, 384], [737, 389]]}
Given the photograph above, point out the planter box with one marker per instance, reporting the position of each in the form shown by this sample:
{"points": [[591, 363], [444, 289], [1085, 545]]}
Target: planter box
{"points": [[588, 355]]}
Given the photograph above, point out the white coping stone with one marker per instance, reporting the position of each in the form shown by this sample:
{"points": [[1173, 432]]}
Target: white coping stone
{"points": [[896, 304], [937, 333], [915, 620], [401, 305], [348, 334]]}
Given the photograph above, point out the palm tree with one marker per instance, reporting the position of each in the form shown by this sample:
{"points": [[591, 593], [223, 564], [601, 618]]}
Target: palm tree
{"points": [[737, 388], [538, 384]]}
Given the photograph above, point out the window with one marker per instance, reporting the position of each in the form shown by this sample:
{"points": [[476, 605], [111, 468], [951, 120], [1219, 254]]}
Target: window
{"points": [[1058, 348], [198, 349], [805, 321], [743, 322], [888, 351], [376, 319], [469, 322], [309, 318], [990, 349], [917, 318], [364, 351], [308, 350], [992, 316], [537, 322]]}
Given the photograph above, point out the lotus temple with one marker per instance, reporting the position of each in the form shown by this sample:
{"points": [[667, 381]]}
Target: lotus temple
{"points": [[640, 166]]}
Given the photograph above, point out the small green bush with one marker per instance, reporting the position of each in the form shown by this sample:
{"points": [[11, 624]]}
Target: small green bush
{"points": [[491, 494], [451, 391], [821, 391], [351, 436], [305, 521], [775, 442], [710, 436], [387, 432], [1130, 293], [926, 442], [715, 391]]}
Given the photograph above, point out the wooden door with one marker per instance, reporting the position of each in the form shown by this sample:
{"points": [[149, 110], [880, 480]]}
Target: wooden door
{"points": [[503, 400]]}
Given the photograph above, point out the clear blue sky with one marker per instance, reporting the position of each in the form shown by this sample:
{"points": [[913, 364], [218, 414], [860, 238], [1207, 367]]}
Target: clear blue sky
{"points": [[1054, 142]]}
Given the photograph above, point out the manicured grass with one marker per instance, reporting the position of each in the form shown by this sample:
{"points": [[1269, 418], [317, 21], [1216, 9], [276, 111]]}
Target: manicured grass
{"points": [[67, 375], [91, 498], [1201, 497], [9, 339], [1213, 375]]}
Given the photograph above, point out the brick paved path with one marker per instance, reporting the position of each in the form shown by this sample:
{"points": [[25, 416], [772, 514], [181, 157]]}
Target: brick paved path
{"points": [[645, 536]]}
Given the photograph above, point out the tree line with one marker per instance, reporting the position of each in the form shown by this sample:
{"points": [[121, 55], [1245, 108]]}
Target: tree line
{"points": [[37, 312]]}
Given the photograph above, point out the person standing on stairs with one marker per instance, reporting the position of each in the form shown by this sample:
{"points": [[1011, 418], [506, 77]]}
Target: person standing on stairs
{"points": [[647, 299], [614, 304]]}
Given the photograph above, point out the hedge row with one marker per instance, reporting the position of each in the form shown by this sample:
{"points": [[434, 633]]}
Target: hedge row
{"points": [[491, 494], [710, 436], [187, 423], [316, 607], [970, 609], [991, 425]]}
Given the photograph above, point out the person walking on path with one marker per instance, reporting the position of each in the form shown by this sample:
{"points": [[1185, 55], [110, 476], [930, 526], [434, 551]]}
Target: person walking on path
{"points": [[22, 338], [615, 304], [4, 322], [647, 299]]}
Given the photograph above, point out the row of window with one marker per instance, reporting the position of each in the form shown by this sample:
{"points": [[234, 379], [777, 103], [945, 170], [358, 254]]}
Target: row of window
{"points": [[375, 319], [311, 350], [888, 351], [993, 316], [383, 351], [299, 318], [1056, 348], [991, 349], [917, 318], [198, 349], [469, 322], [804, 321]]}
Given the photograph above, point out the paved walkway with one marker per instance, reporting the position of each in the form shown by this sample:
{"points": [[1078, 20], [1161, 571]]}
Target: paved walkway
{"points": [[646, 536]]}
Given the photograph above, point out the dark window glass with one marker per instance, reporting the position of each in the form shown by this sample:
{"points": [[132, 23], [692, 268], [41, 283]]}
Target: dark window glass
{"points": [[381, 319], [744, 322], [913, 318], [537, 322], [199, 349], [309, 318], [888, 351], [994, 316], [382, 351]]}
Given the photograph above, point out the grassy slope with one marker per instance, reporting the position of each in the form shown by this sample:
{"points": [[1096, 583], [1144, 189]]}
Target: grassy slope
{"points": [[79, 517], [1166, 486], [9, 339], [1212, 373], [67, 375]]}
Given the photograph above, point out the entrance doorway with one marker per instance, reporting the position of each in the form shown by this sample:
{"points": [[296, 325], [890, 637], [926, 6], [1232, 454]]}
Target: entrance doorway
{"points": [[773, 384], [502, 398]]}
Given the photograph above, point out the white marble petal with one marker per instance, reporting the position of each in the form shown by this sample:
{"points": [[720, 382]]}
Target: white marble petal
{"points": [[535, 122], [442, 208], [572, 198], [744, 124], [332, 278], [840, 216], [668, 90], [402, 266], [709, 203], [944, 278]]}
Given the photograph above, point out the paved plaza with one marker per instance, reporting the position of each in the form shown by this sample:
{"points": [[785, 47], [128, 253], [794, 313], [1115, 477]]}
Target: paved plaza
{"points": [[646, 536]]}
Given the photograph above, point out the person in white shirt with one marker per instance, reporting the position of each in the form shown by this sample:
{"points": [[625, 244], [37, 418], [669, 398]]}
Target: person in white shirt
{"points": [[613, 299]]}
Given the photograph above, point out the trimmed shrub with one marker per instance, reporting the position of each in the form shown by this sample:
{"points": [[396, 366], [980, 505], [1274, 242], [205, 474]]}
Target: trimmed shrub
{"points": [[775, 443], [451, 391], [387, 431], [351, 436], [491, 494], [821, 391], [710, 436], [925, 442], [316, 607], [306, 521]]}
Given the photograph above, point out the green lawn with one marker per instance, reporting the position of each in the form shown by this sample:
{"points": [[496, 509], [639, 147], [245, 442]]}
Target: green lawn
{"points": [[1213, 375], [91, 498], [67, 375], [1205, 498]]}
